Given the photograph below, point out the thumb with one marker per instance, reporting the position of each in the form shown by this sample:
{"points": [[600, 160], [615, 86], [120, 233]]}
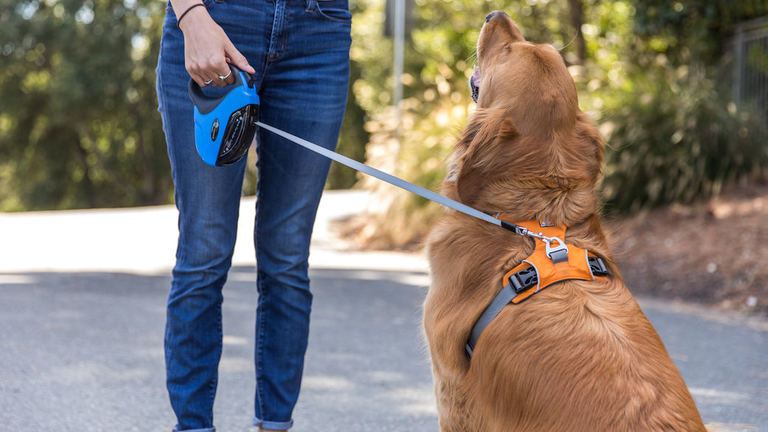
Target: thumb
{"points": [[237, 58]]}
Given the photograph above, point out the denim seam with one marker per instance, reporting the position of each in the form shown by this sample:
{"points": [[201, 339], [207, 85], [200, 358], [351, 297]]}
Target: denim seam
{"points": [[212, 429], [272, 425], [180, 253], [313, 7], [215, 380], [260, 348], [273, 50], [259, 281], [322, 13]]}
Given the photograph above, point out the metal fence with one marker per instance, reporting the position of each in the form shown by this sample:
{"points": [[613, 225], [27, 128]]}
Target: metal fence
{"points": [[750, 61]]}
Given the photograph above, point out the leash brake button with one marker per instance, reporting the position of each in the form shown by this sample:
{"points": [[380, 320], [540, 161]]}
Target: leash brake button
{"points": [[215, 130]]}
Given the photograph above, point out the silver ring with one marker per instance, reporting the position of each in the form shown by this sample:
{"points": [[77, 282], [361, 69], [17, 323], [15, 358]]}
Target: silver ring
{"points": [[208, 82], [224, 77]]}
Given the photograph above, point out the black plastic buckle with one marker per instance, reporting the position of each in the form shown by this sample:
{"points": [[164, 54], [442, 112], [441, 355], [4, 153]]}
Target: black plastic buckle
{"points": [[514, 282], [597, 266], [523, 279]]}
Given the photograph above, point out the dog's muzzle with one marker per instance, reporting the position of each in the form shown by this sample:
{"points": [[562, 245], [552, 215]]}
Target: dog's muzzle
{"points": [[474, 84]]}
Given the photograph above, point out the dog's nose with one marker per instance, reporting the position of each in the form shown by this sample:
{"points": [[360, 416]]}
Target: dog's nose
{"points": [[494, 14]]}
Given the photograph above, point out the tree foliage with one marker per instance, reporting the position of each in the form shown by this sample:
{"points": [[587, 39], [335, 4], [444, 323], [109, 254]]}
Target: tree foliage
{"points": [[676, 133], [653, 74], [79, 127], [78, 119]]}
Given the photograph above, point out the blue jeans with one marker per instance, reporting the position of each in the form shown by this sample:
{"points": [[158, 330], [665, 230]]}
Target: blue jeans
{"points": [[300, 50]]}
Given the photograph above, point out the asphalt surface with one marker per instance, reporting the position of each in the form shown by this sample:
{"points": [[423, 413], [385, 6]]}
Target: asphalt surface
{"points": [[83, 352]]}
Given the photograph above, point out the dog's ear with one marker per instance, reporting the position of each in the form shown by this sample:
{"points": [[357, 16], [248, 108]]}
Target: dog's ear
{"points": [[478, 152], [469, 134]]}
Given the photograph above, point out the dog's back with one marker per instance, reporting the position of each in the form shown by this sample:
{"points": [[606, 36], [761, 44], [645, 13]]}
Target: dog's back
{"points": [[579, 356]]}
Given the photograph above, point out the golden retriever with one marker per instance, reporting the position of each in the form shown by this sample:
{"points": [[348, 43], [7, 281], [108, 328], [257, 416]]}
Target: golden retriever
{"points": [[579, 355]]}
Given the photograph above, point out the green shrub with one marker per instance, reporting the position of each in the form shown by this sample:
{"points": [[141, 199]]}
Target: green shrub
{"points": [[678, 141]]}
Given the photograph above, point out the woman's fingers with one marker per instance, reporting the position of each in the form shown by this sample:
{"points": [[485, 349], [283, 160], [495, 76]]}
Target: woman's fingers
{"points": [[229, 74], [198, 79], [215, 68], [208, 51], [198, 73], [237, 58], [210, 76]]}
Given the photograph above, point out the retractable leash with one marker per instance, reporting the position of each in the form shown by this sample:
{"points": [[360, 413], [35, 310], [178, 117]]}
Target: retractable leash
{"points": [[239, 108]]}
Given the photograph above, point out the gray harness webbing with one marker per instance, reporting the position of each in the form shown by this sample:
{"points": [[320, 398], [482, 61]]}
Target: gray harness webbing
{"points": [[503, 298], [518, 282]]}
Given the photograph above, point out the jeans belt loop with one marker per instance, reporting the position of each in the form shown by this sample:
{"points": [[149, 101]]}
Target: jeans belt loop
{"points": [[311, 5]]}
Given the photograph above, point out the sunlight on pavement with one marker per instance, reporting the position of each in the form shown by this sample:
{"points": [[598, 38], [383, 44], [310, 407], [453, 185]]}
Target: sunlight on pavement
{"points": [[143, 240], [12, 279], [234, 340], [326, 382]]}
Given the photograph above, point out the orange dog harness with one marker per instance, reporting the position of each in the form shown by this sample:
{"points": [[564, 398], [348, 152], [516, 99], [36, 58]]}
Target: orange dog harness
{"points": [[549, 264]]}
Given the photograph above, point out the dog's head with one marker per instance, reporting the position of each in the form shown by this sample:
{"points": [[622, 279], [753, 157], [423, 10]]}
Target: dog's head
{"points": [[528, 80], [528, 131]]}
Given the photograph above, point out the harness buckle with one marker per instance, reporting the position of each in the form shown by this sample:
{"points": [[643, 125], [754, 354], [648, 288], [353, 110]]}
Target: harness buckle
{"points": [[515, 284], [557, 253], [597, 266]]}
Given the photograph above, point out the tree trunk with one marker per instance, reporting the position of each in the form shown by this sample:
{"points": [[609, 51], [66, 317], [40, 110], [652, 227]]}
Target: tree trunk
{"points": [[87, 182], [576, 9]]}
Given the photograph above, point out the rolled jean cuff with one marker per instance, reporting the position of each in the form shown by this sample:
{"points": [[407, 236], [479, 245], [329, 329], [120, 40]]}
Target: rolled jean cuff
{"points": [[176, 429], [272, 425]]}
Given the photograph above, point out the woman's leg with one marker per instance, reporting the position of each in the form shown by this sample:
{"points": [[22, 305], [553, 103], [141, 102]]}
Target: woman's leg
{"points": [[303, 92], [208, 202]]}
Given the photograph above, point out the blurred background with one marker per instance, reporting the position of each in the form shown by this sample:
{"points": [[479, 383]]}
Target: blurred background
{"points": [[678, 88]]}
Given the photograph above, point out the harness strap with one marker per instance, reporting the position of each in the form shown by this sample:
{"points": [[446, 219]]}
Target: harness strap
{"points": [[503, 298], [517, 283]]}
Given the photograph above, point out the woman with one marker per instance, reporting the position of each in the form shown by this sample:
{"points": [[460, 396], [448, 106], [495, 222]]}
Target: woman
{"points": [[298, 50]]}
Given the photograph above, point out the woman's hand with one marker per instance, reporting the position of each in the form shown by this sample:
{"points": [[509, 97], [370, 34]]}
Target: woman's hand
{"points": [[207, 49]]}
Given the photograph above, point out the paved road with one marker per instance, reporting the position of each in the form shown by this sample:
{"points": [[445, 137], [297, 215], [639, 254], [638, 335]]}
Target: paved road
{"points": [[82, 297], [82, 352]]}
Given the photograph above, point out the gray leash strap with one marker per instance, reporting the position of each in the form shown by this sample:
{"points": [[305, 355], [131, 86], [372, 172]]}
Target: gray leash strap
{"points": [[389, 178], [556, 253]]}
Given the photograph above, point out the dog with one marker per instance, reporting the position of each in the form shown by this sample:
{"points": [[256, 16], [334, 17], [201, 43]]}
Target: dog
{"points": [[579, 355]]}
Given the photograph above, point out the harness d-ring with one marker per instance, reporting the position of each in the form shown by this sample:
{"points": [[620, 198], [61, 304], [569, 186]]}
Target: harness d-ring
{"points": [[557, 253]]}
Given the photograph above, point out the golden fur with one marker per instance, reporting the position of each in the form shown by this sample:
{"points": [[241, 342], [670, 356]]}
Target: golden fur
{"points": [[580, 355]]}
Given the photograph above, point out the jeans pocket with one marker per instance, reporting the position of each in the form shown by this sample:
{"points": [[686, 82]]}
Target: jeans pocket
{"points": [[331, 10]]}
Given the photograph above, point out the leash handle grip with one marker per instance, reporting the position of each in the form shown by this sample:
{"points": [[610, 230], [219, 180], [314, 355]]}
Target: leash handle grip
{"points": [[206, 103]]}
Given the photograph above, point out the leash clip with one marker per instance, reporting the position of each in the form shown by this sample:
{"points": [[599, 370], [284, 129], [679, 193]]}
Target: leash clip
{"points": [[557, 253]]}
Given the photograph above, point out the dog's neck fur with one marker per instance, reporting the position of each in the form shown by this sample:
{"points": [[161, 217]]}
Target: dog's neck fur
{"points": [[547, 177], [550, 199]]}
